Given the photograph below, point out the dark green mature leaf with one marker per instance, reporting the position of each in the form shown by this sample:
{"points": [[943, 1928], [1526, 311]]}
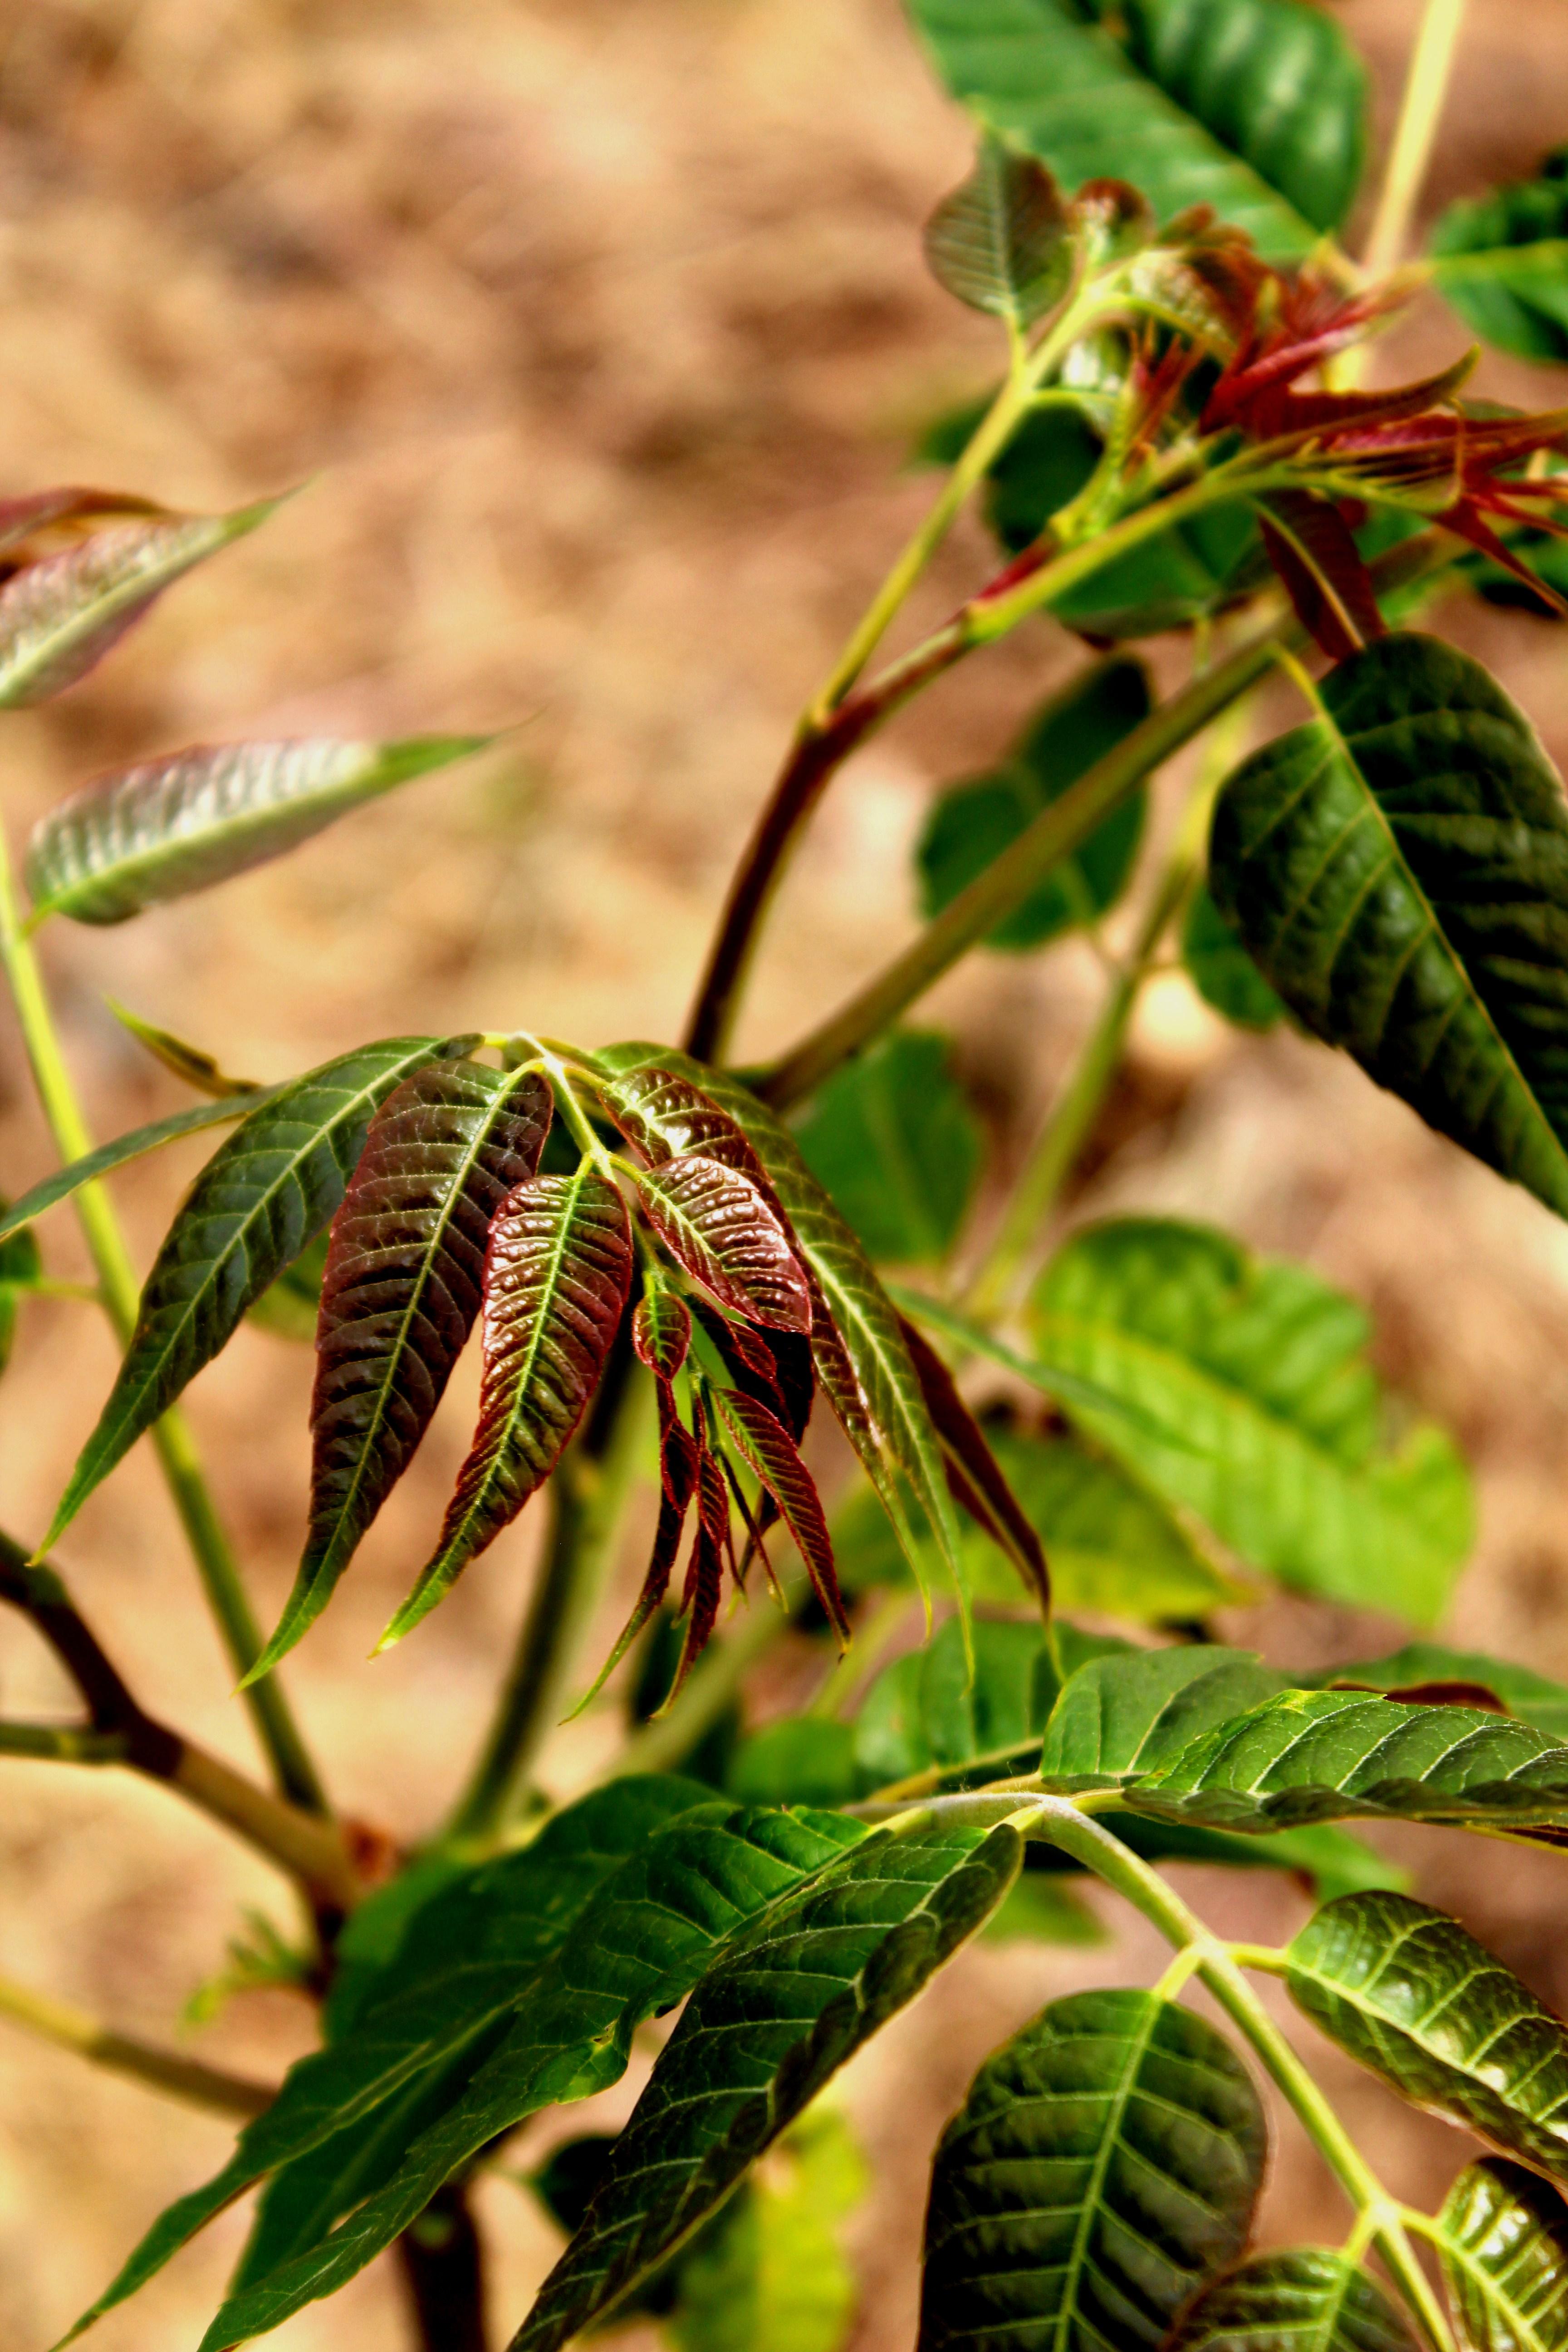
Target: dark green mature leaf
{"points": [[261, 1197], [1316, 1756], [400, 1293], [1413, 1996], [1259, 1410], [893, 1140], [141, 835], [1304, 2299], [557, 1276], [1255, 107], [1221, 969], [666, 1103], [1398, 868], [1119, 1719], [718, 1225], [972, 823], [520, 1984], [61, 615], [1503, 262], [20, 1267], [1105, 2163], [1422, 1664], [51, 1190], [1000, 242], [780, 2012], [1502, 2240]]}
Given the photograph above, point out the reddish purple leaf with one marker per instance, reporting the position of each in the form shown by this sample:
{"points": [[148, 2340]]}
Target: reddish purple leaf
{"points": [[1313, 549], [718, 1225], [557, 1276], [705, 1570], [661, 1331], [766, 1447], [973, 1473]]}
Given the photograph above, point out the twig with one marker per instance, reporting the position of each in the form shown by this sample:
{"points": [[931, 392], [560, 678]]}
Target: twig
{"points": [[162, 2070], [1420, 111]]}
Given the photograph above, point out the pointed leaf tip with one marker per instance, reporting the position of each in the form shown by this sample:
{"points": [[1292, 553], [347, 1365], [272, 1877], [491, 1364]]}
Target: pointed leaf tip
{"points": [[722, 1229]]}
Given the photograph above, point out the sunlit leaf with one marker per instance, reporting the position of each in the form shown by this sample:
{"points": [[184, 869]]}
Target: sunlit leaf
{"points": [[1106, 2162], [1502, 261], [892, 1138], [1261, 1412], [400, 1293], [1221, 969], [972, 823], [186, 1062], [1398, 868], [1001, 241], [141, 835], [717, 1225], [781, 2010], [51, 1190], [263, 1195], [1503, 2245], [1305, 2298], [1413, 1996], [1119, 1719], [1420, 1665]]}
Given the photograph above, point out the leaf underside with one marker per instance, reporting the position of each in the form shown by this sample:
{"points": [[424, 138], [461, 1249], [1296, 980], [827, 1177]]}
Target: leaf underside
{"points": [[999, 242], [718, 1225], [1304, 2299], [1503, 2247]]}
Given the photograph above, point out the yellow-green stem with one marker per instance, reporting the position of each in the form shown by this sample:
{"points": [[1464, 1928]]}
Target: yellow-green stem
{"points": [[1420, 112], [70, 2028]]}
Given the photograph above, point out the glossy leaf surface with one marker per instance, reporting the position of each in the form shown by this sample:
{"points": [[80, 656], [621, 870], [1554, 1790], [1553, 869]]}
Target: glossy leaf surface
{"points": [[51, 1190], [1398, 868], [1105, 2163], [1252, 106], [1503, 262], [1258, 1411], [973, 822], [1503, 2246], [1222, 971], [262, 1196], [1000, 242], [782, 2008], [557, 1274], [1301, 2299], [141, 835], [1413, 1996], [718, 1225], [893, 1140], [400, 1293]]}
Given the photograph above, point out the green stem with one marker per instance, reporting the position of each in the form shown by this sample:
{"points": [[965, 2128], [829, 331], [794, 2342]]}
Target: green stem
{"points": [[279, 1736], [1420, 111], [70, 2028]]}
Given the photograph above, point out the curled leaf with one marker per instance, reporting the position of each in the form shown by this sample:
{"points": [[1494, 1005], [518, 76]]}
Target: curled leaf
{"points": [[718, 1225], [661, 1332], [197, 1068]]}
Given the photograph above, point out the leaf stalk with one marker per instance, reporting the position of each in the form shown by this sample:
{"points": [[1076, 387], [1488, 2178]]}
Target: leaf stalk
{"points": [[70, 2028], [1420, 112]]}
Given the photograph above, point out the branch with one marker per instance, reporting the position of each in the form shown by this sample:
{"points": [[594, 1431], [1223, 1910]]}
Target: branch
{"points": [[162, 2070], [119, 1730]]}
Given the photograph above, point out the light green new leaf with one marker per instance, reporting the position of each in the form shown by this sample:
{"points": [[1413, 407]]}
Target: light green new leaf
{"points": [[1000, 242], [20, 1268], [1106, 2162], [1257, 1409], [262, 1196], [1412, 1997], [1503, 262], [289, 1308], [1419, 1664], [51, 1190], [894, 1141], [781, 2010], [929, 1708], [1502, 2240], [770, 2274], [1256, 107], [1398, 868], [60, 615], [1221, 969], [1302, 2299], [141, 836]]}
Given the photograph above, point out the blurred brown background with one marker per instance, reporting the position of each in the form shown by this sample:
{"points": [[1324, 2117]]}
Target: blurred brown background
{"points": [[597, 330]]}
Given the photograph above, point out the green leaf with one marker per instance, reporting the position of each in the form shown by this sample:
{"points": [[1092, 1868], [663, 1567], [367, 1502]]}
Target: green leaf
{"points": [[1259, 1411], [770, 2274], [519, 1985], [780, 2012], [1106, 2162], [51, 1190], [972, 823], [1304, 2299], [1502, 261], [1041, 1910], [1187, 572], [929, 1708], [1502, 2240], [1398, 868], [186, 1062], [1000, 243], [1523, 1693], [1120, 1717], [1315, 1756], [400, 1293], [1414, 1997], [60, 615], [266, 1192], [289, 1308], [1255, 107], [1113, 1546], [1221, 969], [804, 1760], [139, 836], [893, 1141], [20, 1269]]}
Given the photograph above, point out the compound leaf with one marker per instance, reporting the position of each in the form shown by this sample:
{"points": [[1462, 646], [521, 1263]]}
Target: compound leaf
{"points": [[139, 836], [1411, 1995], [1398, 868], [262, 1196], [1000, 243], [1502, 2240], [1304, 2299], [1503, 262], [400, 1293], [1256, 1409], [718, 1225], [892, 1139], [557, 1275], [1254, 107], [1106, 2162], [51, 1190], [778, 2014]]}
